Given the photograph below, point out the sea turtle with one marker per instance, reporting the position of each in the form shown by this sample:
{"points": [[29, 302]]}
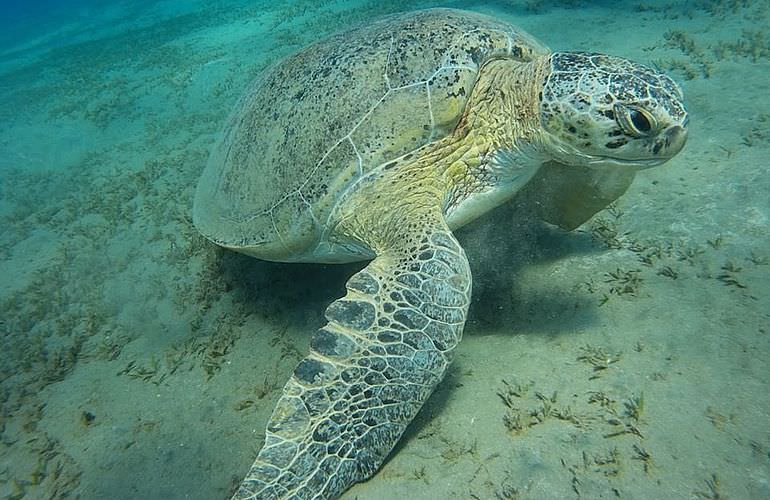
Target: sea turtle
{"points": [[375, 144]]}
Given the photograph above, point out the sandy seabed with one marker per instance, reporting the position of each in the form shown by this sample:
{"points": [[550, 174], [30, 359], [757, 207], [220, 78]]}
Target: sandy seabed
{"points": [[626, 359]]}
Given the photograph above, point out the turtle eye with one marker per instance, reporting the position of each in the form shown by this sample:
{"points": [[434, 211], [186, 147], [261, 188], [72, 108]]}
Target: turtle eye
{"points": [[639, 121], [634, 121]]}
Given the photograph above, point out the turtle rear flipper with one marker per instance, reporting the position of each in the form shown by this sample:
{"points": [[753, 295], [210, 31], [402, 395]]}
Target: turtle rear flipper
{"points": [[386, 346], [569, 195]]}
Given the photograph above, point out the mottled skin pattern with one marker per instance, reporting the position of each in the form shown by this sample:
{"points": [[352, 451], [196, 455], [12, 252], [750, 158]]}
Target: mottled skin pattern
{"points": [[596, 104], [376, 144]]}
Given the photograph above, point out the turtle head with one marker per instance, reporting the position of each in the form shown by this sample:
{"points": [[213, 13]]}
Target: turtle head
{"points": [[599, 110]]}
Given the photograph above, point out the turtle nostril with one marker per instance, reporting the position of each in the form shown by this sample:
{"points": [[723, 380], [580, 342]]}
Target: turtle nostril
{"points": [[675, 137], [675, 131]]}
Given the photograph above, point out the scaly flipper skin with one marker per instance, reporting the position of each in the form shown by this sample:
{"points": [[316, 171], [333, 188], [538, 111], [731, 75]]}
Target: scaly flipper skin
{"points": [[386, 346]]}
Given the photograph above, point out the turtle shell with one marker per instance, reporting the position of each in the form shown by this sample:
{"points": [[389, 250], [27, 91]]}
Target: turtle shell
{"points": [[340, 108]]}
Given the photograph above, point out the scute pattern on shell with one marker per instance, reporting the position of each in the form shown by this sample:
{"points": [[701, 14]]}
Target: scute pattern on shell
{"points": [[336, 110]]}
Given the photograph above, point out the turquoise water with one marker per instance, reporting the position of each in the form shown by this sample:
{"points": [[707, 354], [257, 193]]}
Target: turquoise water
{"points": [[140, 361]]}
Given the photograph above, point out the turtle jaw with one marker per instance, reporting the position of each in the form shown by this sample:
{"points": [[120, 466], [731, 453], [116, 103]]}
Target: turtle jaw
{"points": [[653, 151], [637, 164], [658, 149]]}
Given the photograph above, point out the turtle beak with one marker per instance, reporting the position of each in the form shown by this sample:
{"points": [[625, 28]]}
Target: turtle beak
{"points": [[670, 142]]}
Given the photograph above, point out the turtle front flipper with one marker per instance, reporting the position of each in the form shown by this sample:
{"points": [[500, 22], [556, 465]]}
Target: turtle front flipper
{"points": [[386, 345], [569, 195]]}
